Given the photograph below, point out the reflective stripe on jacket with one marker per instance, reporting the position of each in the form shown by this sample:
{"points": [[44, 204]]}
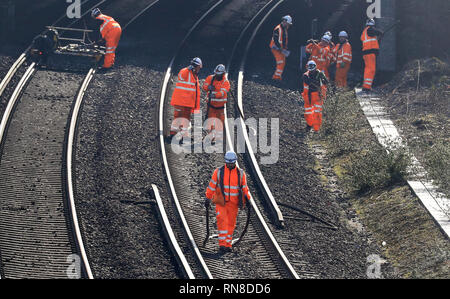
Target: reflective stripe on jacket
{"points": [[108, 24], [230, 184], [344, 53], [187, 90], [369, 42], [219, 96], [282, 40]]}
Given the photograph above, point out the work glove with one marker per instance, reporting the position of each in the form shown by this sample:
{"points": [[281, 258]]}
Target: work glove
{"points": [[211, 88], [275, 47], [286, 53], [207, 203]]}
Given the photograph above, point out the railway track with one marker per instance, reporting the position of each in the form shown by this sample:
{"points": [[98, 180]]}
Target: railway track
{"points": [[265, 257], [40, 236]]}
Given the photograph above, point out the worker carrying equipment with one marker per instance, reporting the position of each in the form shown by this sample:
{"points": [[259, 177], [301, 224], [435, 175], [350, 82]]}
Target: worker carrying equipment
{"points": [[228, 190], [321, 53], [371, 46], [185, 98], [217, 86], [279, 46], [111, 32], [343, 52], [314, 93]]}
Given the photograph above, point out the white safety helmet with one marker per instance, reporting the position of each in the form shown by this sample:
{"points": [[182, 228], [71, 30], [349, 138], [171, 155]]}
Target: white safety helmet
{"points": [[230, 157], [370, 22], [329, 34], [288, 19], [220, 70], [95, 12], [196, 62], [326, 38], [343, 34], [311, 65]]}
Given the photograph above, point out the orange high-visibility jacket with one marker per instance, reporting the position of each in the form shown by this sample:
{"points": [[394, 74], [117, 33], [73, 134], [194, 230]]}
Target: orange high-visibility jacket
{"points": [[282, 37], [219, 96], [321, 55], [314, 50], [343, 53], [369, 42], [230, 182], [108, 24], [187, 90]]}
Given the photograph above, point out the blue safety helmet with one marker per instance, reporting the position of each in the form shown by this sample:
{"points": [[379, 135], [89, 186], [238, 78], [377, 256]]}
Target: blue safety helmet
{"points": [[230, 157]]}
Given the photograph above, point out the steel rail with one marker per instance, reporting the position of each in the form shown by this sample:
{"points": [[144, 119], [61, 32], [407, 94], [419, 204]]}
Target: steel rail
{"points": [[164, 89], [69, 179], [250, 153], [230, 147]]}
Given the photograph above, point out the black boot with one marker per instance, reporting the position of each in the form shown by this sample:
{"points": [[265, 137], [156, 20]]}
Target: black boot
{"points": [[222, 250]]}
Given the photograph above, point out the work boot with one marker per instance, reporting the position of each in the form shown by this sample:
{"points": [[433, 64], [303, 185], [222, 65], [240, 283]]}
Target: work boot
{"points": [[366, 90], [168, 139], [308, 128], [229, 249], [222, 250]]}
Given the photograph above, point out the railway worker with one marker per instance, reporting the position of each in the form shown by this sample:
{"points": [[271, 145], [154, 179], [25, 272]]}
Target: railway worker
{"points": [[343, 56], [371, 46], [228, 190], [217, 86], [320, 53], [110, 31], [185, 98], [279, 46], [314, 92]]}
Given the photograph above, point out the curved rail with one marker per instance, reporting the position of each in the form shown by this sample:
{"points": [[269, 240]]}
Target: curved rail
{"points": [[163, 146], [269, 234], [250, 153], [69, 180]]}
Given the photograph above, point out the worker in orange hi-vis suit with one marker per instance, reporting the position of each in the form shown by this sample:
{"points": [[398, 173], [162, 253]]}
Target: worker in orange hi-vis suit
{"points": [[228, 183], [343, 52], [110, 31], [313, 95], [371, 46], [185, 98], [320, 53], [279, 46], [218, 87]]}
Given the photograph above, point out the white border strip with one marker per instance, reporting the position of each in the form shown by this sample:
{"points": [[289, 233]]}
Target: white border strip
{"points": [[70, 142], [171, 235], [388, 136]]}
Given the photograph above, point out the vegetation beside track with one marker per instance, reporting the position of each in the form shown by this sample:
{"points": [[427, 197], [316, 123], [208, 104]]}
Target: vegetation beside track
{"points": [[373, 182]]}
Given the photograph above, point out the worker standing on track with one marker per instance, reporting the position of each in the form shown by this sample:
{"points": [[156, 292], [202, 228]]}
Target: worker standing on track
{"points": [[228, 190], [343, 56], [110, 31], [279, 46], [218, 87], [185, 98], [371, 46], [314, 93]]}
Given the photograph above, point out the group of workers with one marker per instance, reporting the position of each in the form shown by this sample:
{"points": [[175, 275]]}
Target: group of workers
{"points": [[323, 54], [227, 187]]}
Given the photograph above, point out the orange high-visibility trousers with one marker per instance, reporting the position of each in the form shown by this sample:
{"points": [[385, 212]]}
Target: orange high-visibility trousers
{"points": [[112, 41], [216, 118], [281, 63], [181, 120], [226, 222], [313, 110], [370, 61], [341, 75]]}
